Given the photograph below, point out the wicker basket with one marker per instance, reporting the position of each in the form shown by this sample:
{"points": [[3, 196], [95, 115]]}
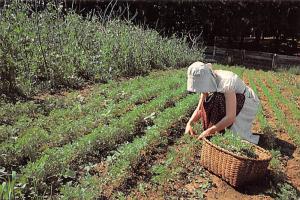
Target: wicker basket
{"points": [[236, 170]]}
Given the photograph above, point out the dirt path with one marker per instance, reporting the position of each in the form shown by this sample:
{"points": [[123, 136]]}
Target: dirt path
{"points": [[224, 191]]}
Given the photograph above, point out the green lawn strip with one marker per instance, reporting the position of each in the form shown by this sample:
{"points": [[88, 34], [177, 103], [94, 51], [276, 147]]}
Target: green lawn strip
{"points": [[281, 120], [121, 164], [32, 143], [282, 99], [57, 161]]}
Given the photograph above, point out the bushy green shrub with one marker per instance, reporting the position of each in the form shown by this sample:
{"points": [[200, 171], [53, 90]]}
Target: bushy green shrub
{"points": [[52, 49], [234, 143]]}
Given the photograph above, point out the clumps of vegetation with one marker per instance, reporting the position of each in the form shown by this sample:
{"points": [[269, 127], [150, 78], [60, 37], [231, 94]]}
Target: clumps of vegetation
{"points": [[54, 48], [292, 70], [197, 128], [234, 144], [286, 192]]}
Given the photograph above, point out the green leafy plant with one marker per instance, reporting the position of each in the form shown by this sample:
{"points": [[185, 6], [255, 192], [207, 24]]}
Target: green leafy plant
{"points": [[66, 125], [286, 192], [54, 160], [274, 101], [233, 143], [9, 188], [52, 49], [128, 155]]}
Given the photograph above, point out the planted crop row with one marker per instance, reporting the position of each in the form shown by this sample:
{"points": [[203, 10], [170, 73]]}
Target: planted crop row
{"points": [[14, 118], [57, 117], [277, 94], [261, 118], [291, 86], [32, 144], [11, 113], [121, 164], [181, 167], [269, 142], [281, 120], [114, 91], [57, 161], [178, 157]]}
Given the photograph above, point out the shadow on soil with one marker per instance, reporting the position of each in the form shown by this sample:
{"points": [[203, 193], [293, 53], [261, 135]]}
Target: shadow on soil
{"points": [[269, 141], [269, 185]]}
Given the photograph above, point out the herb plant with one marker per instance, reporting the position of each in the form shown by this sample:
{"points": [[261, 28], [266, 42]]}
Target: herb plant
{"points": [[233, 143]]}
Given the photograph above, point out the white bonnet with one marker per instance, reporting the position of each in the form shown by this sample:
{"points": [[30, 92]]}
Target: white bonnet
{"points": [[201, 78]]}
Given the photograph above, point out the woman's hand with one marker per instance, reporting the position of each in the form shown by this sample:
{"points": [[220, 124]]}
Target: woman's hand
{"points": [[207, 132], [189, 129]]}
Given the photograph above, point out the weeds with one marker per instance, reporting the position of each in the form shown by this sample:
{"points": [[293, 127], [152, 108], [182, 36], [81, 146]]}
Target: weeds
{"points": [[9, 188], [50, 49], [292, 70]]}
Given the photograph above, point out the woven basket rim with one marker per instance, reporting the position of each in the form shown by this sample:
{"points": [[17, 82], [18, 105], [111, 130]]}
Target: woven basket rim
{"points": [[268, 158]]}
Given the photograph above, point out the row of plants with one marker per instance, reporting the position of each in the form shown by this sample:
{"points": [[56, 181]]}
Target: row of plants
{"points": [[282, 99], [101, 92], [268, 136], [52, 48], [279, 187], [178, 157], [121, 164], [16, 116], [287, 85], [289, 79], [56, 162], [260, 115], [279, 114], [171, 176], [77, 122]]}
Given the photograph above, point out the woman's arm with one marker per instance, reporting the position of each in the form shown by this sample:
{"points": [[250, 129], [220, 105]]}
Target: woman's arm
{"points": [[196, 115], [230, 101]]}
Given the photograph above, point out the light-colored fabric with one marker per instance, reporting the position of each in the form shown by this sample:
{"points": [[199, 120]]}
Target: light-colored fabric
{"points": [[227, 80], [243, 123], [201, 78]]}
